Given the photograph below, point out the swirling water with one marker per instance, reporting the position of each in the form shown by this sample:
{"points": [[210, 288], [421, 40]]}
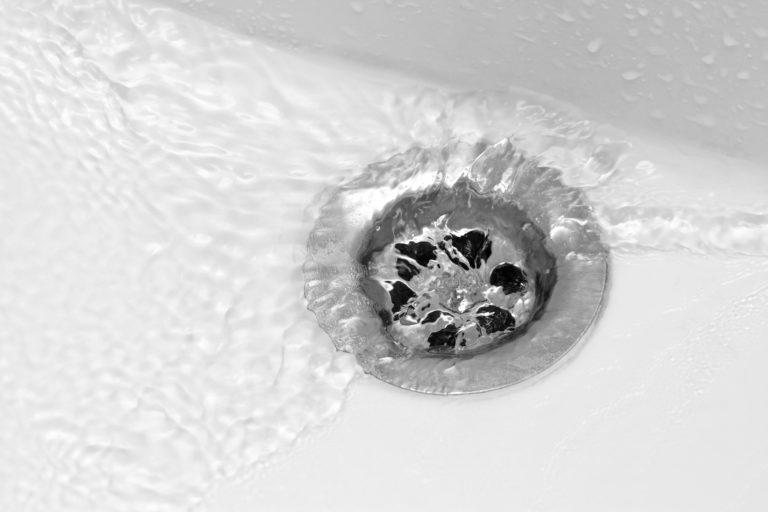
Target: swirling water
{"points": [[158, 180]]}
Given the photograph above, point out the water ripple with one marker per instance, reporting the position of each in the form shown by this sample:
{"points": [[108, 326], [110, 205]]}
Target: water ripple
{"points": [[158, 176]]}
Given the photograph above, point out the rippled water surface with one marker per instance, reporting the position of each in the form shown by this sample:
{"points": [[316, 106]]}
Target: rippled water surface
{"points": [[158, 180]]}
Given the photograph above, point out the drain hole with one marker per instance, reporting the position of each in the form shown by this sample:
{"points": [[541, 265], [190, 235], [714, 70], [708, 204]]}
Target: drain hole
{"points": [[509, 277], [494, 319], [455, 266]]}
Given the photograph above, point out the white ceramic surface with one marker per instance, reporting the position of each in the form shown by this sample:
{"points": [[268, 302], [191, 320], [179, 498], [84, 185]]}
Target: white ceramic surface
{"points": [[160, 175], [694, 70], [663, 407]]}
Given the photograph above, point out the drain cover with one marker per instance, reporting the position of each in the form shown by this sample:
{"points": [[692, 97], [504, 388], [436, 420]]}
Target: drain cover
{"points": [[456, 270]]}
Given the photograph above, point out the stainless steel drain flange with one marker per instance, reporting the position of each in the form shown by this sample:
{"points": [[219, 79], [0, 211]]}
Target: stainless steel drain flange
{"points": [[456, 270]]}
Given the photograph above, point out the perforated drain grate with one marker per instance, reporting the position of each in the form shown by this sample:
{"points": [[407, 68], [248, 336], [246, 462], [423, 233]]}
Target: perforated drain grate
{"points": [[456, 270], [463, 272]]}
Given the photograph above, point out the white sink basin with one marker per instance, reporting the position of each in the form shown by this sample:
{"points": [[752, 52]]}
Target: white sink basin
{"points": [[161, 174]]}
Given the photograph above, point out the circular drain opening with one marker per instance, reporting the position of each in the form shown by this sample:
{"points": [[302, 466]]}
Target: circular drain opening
{"points": [[456, 270]]}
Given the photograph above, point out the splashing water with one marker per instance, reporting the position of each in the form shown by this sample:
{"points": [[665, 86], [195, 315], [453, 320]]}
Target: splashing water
{"points": [[159, 179]]}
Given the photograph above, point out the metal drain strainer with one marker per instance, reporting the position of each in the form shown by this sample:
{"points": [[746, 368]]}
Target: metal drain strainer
{"points": [[456, 270]]}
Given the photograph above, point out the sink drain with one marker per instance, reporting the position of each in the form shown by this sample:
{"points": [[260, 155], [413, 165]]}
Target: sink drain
{"points": [[457, 269], [454, 271]]}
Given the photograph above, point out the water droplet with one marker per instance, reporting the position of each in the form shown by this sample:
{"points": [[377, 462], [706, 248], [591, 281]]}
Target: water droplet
{"points": [[630, 97], [705, 120], [730, 41], [631, 75], [595, 45], [708, 58], [700, 99], [645, 167], [743, 75], [526, 38]]}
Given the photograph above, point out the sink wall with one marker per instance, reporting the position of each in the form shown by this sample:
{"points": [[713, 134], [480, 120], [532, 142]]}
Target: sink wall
{"points": [[690, 70]]}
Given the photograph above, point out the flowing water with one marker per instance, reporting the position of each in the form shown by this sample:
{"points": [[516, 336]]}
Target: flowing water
{"points": [[158, 180]]}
